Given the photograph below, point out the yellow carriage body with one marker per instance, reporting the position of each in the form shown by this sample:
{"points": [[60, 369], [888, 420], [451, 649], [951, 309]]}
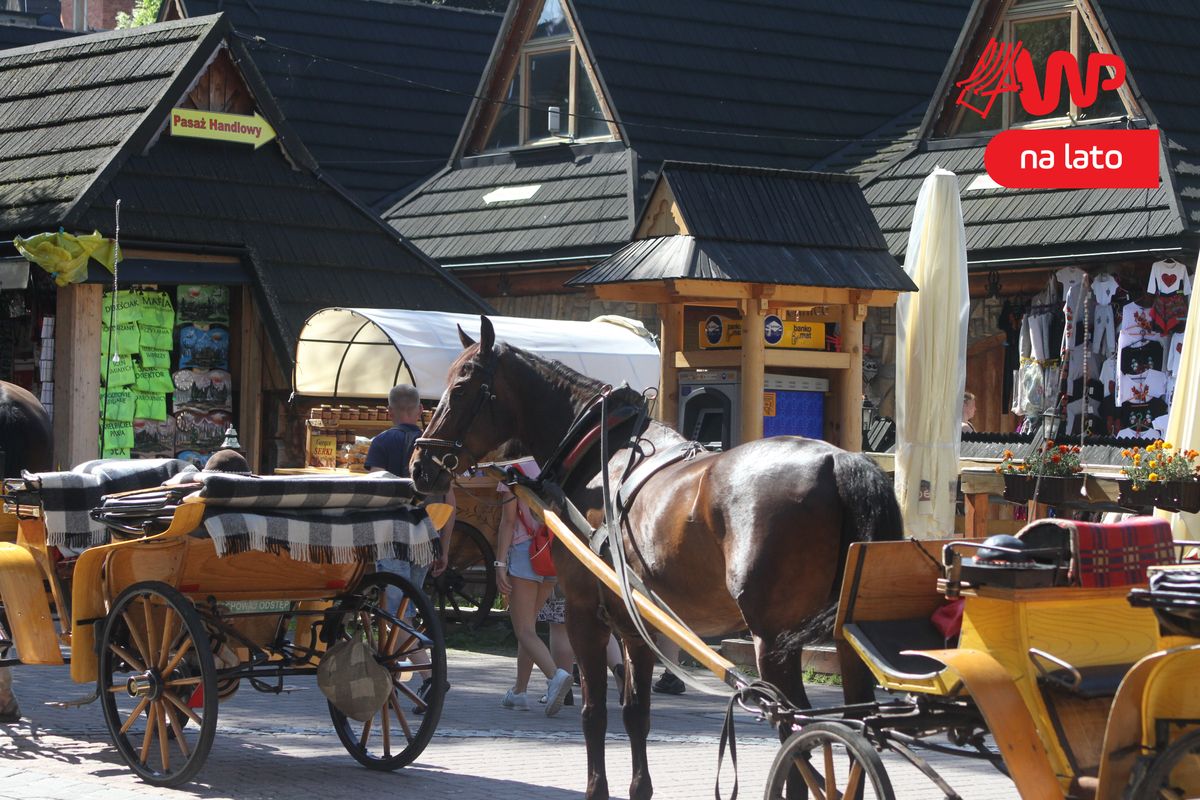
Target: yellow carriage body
{"points": [[1054, 744]]}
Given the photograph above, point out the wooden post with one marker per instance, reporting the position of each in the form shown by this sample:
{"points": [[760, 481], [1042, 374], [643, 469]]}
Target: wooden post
{"points": [[977, 508], [847, 406], [671, 342], [250, 382], [753, 366], [77, 374]]}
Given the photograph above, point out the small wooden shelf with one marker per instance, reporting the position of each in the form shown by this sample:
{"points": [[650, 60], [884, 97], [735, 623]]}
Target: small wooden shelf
{"points": [[351, 424], [731, 359]]}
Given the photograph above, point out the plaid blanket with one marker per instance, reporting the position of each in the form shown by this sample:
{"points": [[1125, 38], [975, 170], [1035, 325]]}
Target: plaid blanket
{"points": [[238, 491], [68, 497], [1117, 553], [405, 533]]}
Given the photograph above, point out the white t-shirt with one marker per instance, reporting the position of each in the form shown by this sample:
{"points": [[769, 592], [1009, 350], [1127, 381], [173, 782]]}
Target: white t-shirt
{"points": [[1130, 433], [1169, 277], [1135, 321], [1104, 287], [1143, 387]]}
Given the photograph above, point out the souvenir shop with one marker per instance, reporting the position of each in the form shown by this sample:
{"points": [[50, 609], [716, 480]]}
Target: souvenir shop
{"points": [[1096, 351]]}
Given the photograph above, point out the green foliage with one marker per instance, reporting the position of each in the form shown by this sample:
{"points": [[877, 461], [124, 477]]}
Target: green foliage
{"points": [[144, 13]]}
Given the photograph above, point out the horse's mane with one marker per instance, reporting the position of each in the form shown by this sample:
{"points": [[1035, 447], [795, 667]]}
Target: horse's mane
{"points": [[562, 378]]}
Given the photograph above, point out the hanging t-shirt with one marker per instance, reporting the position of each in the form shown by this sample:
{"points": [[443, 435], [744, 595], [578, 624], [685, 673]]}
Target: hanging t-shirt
{"points": [[156, 309], [203, 347], [117, 405], [117, 434], [1104, 287], [1174, 352], [154, 439], [1140, 416], [150, 405], [1169, 277], [1135, 320], [156, 359], [117, 373], [1141, 356], [153, 380], [154, 337], [1148, 433], [1143, 387], [124, 336], [1168, 312], [129, 307], [208, 303]]}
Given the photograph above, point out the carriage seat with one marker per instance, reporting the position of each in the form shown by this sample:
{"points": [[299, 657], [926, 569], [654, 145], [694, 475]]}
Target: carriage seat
{"points": [[1105, 554], [1086, 683], [883, 642]]}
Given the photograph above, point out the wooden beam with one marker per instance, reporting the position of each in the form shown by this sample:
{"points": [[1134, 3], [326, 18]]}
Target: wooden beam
{"points": [[250, 383], [671, 317], [846, 408], [787, 359], [509, 57], [172, 255], [77, 373], [517, 284], [753, 365]]}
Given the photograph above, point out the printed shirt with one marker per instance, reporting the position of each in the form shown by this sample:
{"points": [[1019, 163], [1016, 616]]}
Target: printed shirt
{"points": [[1169, 277], [526, 523]]}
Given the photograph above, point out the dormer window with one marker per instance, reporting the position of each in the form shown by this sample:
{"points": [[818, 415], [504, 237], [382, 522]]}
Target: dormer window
{"points": [[551, 96], [1043, 27]]}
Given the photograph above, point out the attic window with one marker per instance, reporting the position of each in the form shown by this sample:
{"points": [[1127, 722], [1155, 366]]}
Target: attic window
{"points": [[1042, 27], [507, 194], [550, 96]]}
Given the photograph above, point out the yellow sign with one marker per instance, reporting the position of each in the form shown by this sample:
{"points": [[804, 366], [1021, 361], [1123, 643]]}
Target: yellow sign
{"points": [[324, 450], [237, 128], [718, 331], [768, 404]]}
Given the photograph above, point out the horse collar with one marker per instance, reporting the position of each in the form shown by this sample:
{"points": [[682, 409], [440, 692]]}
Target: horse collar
{"points": [[592, 436]]}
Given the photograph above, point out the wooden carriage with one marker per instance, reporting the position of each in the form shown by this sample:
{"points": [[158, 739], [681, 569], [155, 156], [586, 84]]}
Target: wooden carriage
{"points": [[166, 620]]}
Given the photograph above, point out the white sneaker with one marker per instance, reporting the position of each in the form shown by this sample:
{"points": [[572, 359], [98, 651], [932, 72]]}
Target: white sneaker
{"points": [[515, 700], [556, 691]]}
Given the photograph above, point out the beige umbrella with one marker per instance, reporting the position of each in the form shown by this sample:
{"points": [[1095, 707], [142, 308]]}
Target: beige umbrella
{"points": [[931, 355], [1183, 428]]}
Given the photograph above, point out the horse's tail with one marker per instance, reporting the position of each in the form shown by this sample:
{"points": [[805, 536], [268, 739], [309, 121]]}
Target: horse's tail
{"points": [[870, 513], [25, 435]]}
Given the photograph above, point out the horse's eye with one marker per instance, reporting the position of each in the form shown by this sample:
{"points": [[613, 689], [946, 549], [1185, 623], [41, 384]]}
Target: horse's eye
{"points": [[456, 391]]}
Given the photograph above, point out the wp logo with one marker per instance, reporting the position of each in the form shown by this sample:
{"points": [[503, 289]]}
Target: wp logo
{"points": [[1006, 67]]}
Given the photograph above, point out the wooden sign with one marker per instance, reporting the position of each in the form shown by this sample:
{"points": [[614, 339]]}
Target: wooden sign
{"points": [[219, 126]]}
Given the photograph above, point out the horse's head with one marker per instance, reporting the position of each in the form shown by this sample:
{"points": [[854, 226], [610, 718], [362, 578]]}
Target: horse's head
{"points": [[472, 418]]}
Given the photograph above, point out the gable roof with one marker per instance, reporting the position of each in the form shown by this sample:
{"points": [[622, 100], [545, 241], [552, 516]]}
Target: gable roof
{"points": [[1012, 225], [772, 83], [81, 125], [760, 226], [377, 90]]}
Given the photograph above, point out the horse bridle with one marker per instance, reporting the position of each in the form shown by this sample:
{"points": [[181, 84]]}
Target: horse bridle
{"points": [[449, 461]]}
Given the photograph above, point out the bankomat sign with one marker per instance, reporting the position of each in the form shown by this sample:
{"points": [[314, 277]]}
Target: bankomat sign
{"points": [[1057, 159], [717, 331]]}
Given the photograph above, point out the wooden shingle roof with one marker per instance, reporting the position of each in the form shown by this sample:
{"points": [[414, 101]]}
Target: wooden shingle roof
{"points": [[376, 90], [82, 125], [756, 225]]}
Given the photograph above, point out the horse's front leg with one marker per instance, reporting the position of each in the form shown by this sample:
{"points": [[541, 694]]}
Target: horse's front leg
{"points": [[636, 713], [589, 640]]}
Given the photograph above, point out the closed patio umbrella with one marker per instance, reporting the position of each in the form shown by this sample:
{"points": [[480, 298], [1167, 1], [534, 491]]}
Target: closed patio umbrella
{"points": [[931, 355]]}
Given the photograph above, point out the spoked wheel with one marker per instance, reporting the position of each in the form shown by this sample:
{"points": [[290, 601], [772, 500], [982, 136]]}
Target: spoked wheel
{"points": [[466, 591], [157, 675], [1173, 775], [828, 761], [408, 642]]}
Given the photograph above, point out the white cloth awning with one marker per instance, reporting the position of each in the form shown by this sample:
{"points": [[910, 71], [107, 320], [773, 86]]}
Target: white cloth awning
{"points": [[364, 352]]}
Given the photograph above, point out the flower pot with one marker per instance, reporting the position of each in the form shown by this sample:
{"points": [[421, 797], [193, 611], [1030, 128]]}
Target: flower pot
{"points": [[1053, 491], [1017, 488], [1146, 495], [1180, 496]]}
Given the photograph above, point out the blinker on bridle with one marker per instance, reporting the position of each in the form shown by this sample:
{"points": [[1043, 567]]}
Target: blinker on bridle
{"points": [[449, 461]]}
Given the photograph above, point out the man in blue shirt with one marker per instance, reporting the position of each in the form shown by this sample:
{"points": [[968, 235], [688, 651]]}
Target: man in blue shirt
{"points": [[391, 451]]}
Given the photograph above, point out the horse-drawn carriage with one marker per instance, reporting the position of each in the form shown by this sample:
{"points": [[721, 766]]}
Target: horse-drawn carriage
{"points": [[183, 591]]}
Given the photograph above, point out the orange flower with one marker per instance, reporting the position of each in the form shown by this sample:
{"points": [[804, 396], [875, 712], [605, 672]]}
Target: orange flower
{"points": [[1056, 458], [1062, 448], [1008, 453]]}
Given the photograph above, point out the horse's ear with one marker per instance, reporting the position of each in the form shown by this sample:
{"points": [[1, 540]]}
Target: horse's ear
{"points": [[487, 335], [466, 340]]}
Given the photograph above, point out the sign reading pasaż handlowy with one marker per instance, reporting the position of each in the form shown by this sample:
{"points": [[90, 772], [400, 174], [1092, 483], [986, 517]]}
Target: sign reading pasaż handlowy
{"points": [[219, 126]]}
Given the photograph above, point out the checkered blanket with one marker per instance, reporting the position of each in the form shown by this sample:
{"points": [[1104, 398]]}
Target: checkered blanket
{"points": [[262, 494], [405, 533], [1117, 553], [68, 497]]}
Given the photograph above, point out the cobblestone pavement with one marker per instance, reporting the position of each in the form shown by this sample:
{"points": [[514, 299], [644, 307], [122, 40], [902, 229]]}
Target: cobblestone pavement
{"points": [[283, 747]]}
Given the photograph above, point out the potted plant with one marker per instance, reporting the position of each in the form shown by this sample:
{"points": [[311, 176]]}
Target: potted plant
{"points": [[1180, 477], [1142, 482], [1052, 474]]}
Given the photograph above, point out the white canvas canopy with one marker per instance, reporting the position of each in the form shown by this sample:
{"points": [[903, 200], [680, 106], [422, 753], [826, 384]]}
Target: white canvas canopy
{"points": [[364, 352]]}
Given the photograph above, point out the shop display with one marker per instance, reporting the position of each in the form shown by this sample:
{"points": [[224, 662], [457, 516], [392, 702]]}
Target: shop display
{"points": [[203, 304], [1116, 346], [202, 390], [204, 346], [154, 438], [200, 431]]}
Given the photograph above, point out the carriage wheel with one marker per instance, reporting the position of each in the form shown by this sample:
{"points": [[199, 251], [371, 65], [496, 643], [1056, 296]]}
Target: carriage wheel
{"points": [[1172, 775], [832, 762], [157, 675], [407, 643], [466, 591]]}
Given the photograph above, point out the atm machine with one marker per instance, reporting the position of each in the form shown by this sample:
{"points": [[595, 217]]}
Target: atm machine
{"points": [[710, 406]]}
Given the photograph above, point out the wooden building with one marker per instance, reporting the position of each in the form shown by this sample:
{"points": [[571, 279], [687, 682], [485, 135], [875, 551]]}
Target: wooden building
{"points": [[86, 121]]}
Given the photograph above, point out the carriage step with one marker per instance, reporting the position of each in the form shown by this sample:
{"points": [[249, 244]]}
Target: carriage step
{"points": [[74, 703], [819, 658]]}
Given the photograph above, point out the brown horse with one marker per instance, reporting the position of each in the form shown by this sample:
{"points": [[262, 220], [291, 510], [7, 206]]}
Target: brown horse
{"points": [[25, 443], [752, 538]]}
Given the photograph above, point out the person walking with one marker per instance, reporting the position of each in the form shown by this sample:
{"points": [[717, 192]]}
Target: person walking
{"points": [[391, 451], [527, 593]]}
